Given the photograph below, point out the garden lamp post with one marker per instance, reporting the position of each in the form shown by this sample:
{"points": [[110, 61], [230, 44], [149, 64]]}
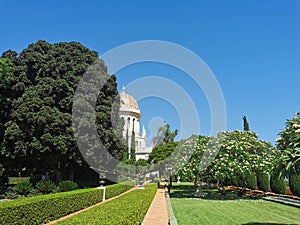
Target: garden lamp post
{"points": [[169, 173], [141, 181], [102, 178], [178, 179]]}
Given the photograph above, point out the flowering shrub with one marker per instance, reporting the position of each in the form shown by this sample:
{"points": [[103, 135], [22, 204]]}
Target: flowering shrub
{"points": [[234, 154], [242, 154], [192, 167]]}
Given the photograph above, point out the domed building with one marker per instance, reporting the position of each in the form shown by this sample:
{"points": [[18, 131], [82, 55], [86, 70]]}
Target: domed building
{"points": [[130, 112]]}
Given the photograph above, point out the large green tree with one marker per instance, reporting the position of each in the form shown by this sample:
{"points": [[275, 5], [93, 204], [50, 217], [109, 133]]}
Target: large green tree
{"points": [[289, 146], [193, 168], [6, 93], [289, 161], [161, 152], [39, 132]]}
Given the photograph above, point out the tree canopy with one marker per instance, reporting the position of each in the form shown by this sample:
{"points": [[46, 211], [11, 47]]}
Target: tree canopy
{"points": [[164, 135], [41, 83], [289, 145]]}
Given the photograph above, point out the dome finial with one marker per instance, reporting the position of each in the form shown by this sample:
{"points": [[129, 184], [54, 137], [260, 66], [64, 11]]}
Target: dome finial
{"points": [[123, 89]]}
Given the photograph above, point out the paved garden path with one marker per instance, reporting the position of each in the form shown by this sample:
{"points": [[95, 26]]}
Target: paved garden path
{"points": [[158, 211]]}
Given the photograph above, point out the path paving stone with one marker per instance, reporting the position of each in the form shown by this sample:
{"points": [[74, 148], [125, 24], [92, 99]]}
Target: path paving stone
{"points": [[158, 211]]}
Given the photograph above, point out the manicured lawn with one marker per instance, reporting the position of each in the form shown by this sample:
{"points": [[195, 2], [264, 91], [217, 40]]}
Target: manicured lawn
{"points": [[125, 210], [216, 209], [15, 180]]}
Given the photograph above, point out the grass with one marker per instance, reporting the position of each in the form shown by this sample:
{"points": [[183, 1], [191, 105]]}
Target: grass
{"points": [[217, 209], [15, 180], [125, 210]]}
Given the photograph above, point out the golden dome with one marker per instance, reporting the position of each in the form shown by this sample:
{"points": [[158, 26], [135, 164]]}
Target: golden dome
{"points": [[128, 103]]}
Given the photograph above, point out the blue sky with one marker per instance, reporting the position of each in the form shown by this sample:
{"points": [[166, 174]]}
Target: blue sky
{"points": [[253, 48]]}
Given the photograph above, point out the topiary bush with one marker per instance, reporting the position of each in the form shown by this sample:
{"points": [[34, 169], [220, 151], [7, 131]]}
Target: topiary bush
{"points": [[23, 187], [67, 185], [294, 183], [240, 183], [251, 181], [277, 184], [263, 182], [45, 186], [234, 181]]}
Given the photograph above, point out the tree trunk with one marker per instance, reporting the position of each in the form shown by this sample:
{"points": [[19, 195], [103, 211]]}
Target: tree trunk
{"points": [[58, 173], [71, 173], [198, 193]]}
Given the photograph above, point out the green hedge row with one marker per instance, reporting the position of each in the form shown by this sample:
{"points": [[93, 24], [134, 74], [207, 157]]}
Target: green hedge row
{"points": [[128, 209], [45, 208]]}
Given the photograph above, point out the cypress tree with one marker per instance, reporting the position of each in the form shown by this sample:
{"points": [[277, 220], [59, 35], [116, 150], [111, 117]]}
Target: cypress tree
{"points": [[132, 147], [126, 155], [246, 124]]}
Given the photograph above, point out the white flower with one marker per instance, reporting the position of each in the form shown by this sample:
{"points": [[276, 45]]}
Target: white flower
{"points": [[295, 125]]}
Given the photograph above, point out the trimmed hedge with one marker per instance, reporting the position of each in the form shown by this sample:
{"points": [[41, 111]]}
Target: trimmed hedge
{"points": [[127, 209], [263, 182], [45, 208], [294, 183], [251, 181], [277, 184]]}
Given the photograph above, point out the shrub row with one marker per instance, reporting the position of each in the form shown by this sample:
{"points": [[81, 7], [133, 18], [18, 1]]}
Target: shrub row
{"points": [[45, 208], [275, 183], [127, 209]]}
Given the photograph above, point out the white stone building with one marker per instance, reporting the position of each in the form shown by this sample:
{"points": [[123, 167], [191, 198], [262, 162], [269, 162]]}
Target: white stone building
{"points": [[130, 112]]}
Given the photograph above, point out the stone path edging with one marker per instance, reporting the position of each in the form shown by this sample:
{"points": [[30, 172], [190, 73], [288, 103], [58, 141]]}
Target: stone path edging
{"points": [[172, 218], [90, 207]]}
